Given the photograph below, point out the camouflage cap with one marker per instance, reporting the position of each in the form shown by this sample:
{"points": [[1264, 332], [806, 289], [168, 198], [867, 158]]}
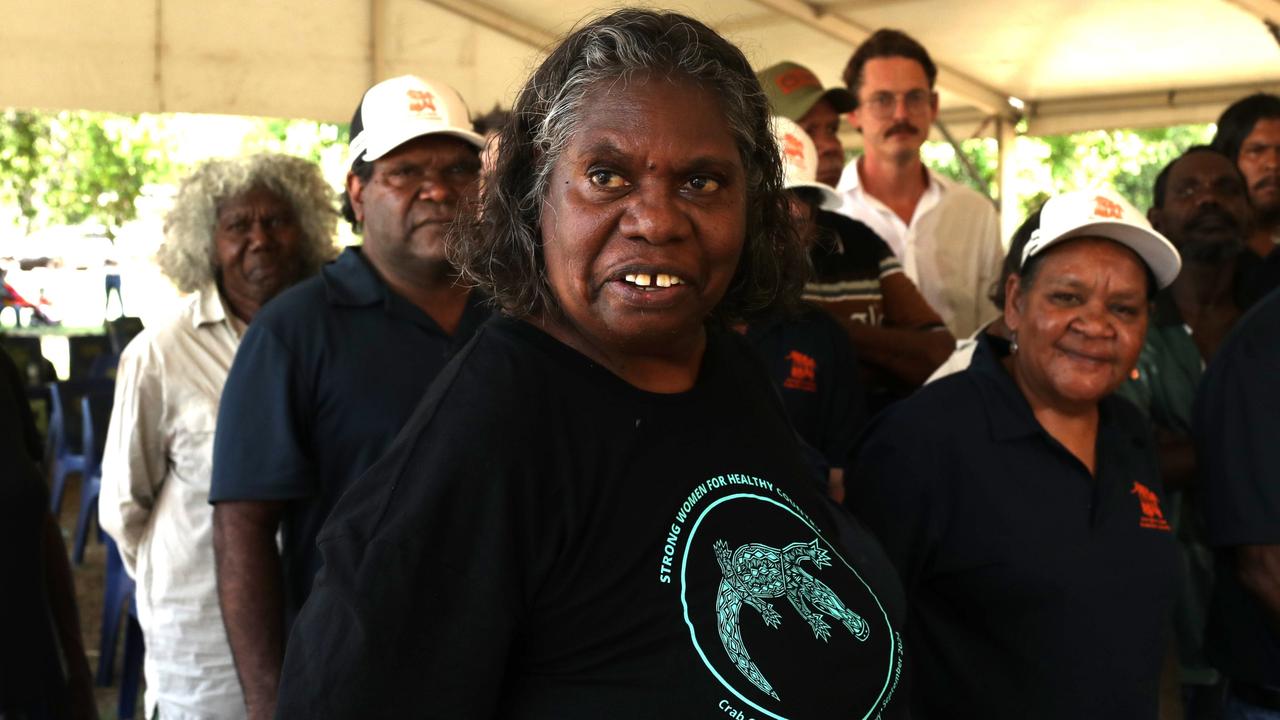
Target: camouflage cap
{"points": [[793, 89]]}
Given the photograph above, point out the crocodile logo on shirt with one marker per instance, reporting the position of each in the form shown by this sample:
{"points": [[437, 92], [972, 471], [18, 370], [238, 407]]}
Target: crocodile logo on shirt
{"points": [[754, 574]]}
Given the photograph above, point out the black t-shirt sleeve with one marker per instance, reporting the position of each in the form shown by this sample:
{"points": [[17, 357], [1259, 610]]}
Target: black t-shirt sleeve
{"points": [[892, 490], [12, 380], [429, 560]]}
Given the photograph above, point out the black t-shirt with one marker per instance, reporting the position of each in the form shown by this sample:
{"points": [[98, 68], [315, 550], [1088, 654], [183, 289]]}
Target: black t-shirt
{"points": [[813, 366], [546, 541], [1237, 433], [1034, 590], [31, 680]]}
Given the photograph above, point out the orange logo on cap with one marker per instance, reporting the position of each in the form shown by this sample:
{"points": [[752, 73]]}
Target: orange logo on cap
{"points": [[796, 78], [793, 148], [804, 372], [420, 100], [1152, 517], [1106, 208]]}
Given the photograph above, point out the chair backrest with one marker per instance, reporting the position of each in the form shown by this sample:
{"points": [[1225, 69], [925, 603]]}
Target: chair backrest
{"points": [[95, 415], [84, 351], [122, 330], [66, 431]]}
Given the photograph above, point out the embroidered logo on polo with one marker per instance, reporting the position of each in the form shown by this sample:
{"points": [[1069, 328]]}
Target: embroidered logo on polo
{"points": [[777, 616], [1152, 517], [804, 372]]}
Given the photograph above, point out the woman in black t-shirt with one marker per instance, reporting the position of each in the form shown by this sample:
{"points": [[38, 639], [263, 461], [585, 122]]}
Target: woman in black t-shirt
{"points": [[600, 509]]}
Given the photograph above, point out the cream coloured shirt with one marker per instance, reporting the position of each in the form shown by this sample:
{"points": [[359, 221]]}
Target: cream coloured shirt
{"points": [[155, 504], [951, 248]]}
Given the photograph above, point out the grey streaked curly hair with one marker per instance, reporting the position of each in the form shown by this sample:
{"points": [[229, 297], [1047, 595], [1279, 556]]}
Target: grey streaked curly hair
{"points": [[187, 255], [500, 249]]}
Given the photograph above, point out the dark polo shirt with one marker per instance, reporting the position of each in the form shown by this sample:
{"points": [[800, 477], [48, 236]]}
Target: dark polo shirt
{"points": [[1034, 589], [812, 364], [325, 377], [1237, 433]]}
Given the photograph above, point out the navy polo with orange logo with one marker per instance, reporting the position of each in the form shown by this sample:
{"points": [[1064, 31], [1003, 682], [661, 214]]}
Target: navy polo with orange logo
{"points": [[1034, 588], [812, 364]]}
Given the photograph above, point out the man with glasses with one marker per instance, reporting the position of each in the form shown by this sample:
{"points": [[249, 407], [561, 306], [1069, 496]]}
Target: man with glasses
{"points": [[329, 371], [946, 235]]}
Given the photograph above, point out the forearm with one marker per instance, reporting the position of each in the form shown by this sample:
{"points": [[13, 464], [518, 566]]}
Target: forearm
{"points": [[251, 594], [60, 589], [909, 355], [1258, 567]]}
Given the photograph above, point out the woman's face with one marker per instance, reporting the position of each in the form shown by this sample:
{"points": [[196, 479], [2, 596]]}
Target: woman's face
{"points": [[1081, 323], [644, 220]]}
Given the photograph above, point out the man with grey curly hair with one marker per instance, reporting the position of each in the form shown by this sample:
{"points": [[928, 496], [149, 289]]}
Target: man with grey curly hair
{"points": [[333, 368], [241, 230]]}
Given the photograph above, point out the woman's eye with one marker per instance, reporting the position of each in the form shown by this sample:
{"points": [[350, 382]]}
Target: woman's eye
{"points": [[606, 179], [703, 184], [1065, 298], [1125, 311]]}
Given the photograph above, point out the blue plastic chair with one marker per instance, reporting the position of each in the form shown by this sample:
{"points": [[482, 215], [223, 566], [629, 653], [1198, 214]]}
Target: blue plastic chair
{"points": [[66, 438], [95, 414], [84, 351], [118, 593]]}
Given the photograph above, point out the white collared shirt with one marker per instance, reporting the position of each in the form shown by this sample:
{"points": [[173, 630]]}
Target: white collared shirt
{"points": [[155, 504], [951, 248]]}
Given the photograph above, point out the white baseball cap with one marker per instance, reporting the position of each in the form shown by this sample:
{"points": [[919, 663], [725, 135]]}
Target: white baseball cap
{"points": [[800, 161], [398, 110], [1104, 214]]}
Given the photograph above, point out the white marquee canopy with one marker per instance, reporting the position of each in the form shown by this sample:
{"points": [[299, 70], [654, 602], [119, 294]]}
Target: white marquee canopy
{"points": [[1064, 65]]}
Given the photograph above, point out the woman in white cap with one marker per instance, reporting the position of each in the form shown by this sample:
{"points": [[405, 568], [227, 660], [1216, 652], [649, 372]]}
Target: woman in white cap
{"points": [[1022, 504]]}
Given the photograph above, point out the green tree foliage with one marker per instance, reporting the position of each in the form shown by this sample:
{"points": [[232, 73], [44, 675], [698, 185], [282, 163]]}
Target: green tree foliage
{"points": [[77, 167], [1127, 160], [22, 135], [68, 168]]}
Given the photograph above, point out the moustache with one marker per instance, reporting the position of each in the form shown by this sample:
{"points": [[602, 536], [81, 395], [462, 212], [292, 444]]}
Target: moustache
{"points": [[902, 127], [1269, 181], [1213, 216]]}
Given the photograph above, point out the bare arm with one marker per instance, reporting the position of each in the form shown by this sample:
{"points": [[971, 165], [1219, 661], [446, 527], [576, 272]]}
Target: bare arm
{"points": [[251, 593], [1258, 567], [912, 342], [62, 602], [910, 355]]}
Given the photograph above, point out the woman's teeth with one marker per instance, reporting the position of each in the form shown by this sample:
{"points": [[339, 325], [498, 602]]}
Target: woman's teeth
{"points": [[661, 280]]}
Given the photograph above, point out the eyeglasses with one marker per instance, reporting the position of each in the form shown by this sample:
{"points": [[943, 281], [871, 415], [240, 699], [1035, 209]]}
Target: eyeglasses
{"points": [[405, 176], [881, 105]]}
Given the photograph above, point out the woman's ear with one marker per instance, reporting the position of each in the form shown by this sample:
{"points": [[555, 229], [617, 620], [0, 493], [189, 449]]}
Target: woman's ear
{"points": [[1013, 301]]}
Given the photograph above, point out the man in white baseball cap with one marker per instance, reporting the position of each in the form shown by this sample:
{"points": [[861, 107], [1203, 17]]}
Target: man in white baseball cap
{"points": [[329, 371]]}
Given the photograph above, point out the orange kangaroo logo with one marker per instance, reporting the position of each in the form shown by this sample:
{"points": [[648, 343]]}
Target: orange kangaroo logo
{"points": [[420, 100], [1106, 208], [794, 149], [804, 372], [1152, 516]]}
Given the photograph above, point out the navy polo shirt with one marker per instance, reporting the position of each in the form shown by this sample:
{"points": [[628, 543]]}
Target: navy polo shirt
{"points": [[1034, 589], [1237, 433], [812, 364], [327, 374]]}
